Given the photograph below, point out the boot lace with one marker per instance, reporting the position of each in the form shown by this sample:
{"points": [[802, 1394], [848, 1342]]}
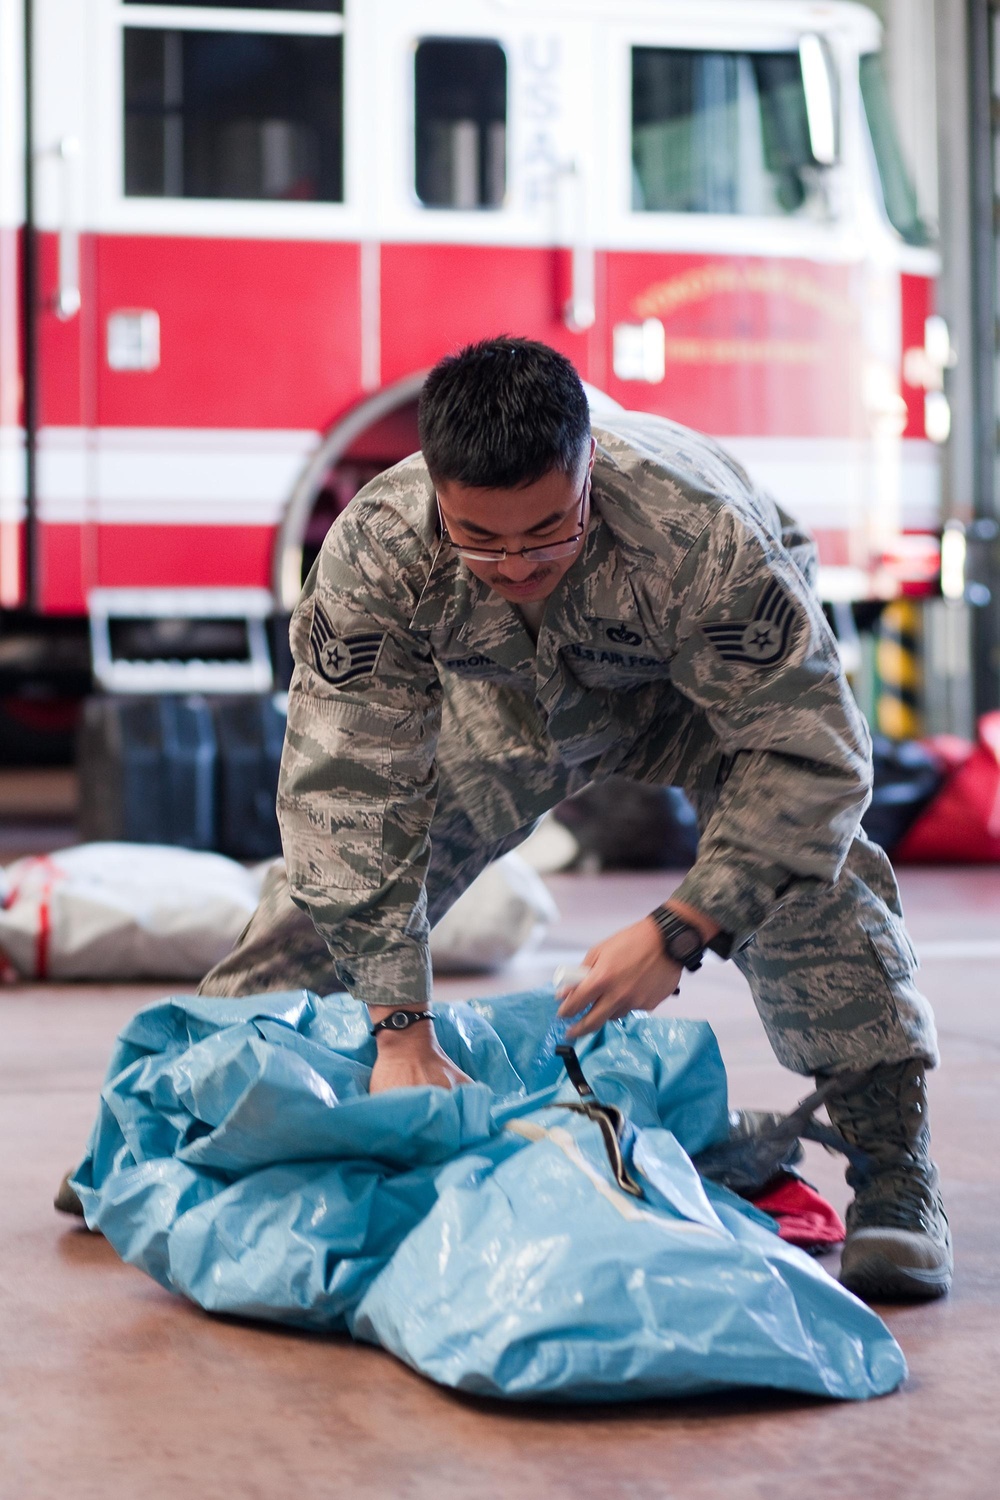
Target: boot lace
{"points": [[899, 1201], [883, 1114]]}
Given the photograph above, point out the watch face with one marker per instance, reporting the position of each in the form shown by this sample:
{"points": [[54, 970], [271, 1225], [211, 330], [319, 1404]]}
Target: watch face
{"points": [[684, 944]]}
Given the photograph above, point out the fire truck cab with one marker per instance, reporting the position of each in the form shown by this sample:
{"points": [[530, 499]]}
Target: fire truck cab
{"points": [[234, 236]]}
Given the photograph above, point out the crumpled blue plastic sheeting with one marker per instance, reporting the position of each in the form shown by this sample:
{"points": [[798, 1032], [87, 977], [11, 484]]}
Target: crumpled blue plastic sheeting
{"points": [[477, 1234]]}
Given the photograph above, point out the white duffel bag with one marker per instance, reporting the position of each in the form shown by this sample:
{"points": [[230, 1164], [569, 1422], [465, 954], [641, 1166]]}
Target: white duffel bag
{"points": [[122, 911], [506, 910], [149, 911]]}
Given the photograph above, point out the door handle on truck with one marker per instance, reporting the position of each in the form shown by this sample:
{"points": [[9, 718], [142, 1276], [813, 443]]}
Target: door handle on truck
{"points": [[67, 298], [579, 311]]}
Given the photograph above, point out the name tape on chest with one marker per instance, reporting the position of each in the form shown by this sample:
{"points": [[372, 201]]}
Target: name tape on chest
{"points": [[762, 641], [476, 665], [340, 659]]}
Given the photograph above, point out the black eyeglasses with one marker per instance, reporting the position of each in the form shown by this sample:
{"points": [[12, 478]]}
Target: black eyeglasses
{"points": [[548, 552]]}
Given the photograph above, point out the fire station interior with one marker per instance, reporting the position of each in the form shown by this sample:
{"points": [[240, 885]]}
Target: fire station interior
{"points": [[235, 236], [387, 441]]}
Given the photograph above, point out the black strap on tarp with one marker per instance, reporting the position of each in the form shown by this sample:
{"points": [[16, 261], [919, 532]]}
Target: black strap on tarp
{"points": [[612, 1122], [745, 1162]]}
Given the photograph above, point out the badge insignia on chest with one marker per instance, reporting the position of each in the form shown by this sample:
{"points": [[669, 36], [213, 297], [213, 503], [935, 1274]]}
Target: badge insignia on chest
{"points": [[341, 658], [762, 641], [622, 636]]}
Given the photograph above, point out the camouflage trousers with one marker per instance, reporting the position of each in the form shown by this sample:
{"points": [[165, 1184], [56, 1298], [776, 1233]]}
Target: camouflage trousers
{"points": [[831, 972]]}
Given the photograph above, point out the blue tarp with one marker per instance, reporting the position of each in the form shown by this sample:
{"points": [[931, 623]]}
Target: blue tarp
{"points": [[478, 1234]]}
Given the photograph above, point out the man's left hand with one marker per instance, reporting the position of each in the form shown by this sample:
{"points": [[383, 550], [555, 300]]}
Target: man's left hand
{"points": [[628, 971]]}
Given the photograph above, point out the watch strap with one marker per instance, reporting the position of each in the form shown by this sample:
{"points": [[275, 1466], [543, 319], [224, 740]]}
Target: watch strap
{"points": [[400, 1020]]}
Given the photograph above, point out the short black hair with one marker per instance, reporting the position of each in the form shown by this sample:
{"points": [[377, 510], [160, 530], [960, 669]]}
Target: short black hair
{"points": [[501, 414]]}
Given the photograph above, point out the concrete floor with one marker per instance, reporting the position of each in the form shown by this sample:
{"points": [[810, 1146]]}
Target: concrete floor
{"points": [[111, 1388]]}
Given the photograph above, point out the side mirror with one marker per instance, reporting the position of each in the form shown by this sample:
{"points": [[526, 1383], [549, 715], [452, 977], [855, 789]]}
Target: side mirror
{"points": [[819, 87]]}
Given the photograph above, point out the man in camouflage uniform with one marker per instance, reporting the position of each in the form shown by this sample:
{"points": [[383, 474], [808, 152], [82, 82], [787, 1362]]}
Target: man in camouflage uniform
{"points": [[523, 609]]}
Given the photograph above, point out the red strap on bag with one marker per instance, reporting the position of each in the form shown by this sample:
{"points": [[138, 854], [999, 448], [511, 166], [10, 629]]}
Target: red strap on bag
{"points": [[43, 937]]}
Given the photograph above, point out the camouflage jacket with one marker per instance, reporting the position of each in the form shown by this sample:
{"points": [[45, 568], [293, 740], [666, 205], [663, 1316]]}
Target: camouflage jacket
{"points": [[684, 645]]}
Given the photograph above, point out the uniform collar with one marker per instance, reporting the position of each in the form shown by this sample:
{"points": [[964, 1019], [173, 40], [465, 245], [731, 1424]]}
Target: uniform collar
{"points": [[455, 603], [448, 595], [607, 589]]}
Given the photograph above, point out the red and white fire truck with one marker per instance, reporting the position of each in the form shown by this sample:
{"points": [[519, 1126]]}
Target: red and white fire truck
{"points": [[234, 236]]}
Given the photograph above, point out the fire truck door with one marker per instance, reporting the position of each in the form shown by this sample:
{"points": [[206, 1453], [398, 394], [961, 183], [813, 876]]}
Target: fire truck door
{"points": [[488, 172], [226, 282], [735, 278]]}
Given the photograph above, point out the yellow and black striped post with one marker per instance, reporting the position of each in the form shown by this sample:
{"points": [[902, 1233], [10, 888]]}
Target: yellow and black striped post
{"points": [[897, 666]]}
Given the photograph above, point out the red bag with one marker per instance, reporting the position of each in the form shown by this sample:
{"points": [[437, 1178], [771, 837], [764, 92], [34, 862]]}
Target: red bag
{"points": [[962, 824], [804, 1218]]}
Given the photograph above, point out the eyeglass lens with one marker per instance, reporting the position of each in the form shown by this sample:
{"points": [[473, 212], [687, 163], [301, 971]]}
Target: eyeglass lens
{"points": [[547, 552], [530, 554]]}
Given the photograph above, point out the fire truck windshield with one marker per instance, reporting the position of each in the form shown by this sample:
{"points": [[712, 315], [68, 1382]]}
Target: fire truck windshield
{"points": [[898, 193], [722, 133]]}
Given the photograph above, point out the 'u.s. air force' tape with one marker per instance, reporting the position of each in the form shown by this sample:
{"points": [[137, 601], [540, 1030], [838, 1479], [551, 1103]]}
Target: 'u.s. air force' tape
{"points": [[762, 641], [341, 658]]}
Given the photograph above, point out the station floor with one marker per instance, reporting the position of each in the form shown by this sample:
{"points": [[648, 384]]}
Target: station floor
{"points": [[111, 1388]]}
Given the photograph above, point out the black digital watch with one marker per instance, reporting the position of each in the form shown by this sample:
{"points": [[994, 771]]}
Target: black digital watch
{"points": [[682, 943]]}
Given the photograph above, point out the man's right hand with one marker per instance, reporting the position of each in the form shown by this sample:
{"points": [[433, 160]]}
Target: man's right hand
{"points": [[412, 1059]]}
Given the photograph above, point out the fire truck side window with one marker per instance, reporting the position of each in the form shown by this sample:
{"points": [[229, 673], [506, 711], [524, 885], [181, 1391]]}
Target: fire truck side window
{"points": [[461, 124], [233, 114], [721, 133]]}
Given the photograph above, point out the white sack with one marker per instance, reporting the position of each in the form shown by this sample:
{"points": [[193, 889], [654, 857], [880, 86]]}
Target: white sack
{"points": [[123, 911], [505, 910], [112, 911], [550, 848]]}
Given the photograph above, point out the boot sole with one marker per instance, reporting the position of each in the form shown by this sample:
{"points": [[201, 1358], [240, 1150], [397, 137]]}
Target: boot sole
{"points": [[66, 1200], [880, 1280]]}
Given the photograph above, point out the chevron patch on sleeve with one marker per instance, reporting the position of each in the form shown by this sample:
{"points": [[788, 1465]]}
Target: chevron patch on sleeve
{"points": [[340, 659], [762, 641]]}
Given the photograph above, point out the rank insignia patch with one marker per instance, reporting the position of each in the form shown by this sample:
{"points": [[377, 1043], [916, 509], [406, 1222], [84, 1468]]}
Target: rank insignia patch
{"points": [[761, 641], [341, 658]]}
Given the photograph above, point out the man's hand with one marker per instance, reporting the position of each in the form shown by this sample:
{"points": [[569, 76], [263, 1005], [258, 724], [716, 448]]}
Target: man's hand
{"points": [[628, 971], [410, 1059]]}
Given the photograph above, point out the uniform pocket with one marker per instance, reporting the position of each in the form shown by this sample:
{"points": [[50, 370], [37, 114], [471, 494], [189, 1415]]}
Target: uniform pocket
{"points": [[893, 950], [334, 791]]}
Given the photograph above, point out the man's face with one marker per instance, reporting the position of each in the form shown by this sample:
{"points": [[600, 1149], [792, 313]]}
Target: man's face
{"points": [[553, 509]]}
